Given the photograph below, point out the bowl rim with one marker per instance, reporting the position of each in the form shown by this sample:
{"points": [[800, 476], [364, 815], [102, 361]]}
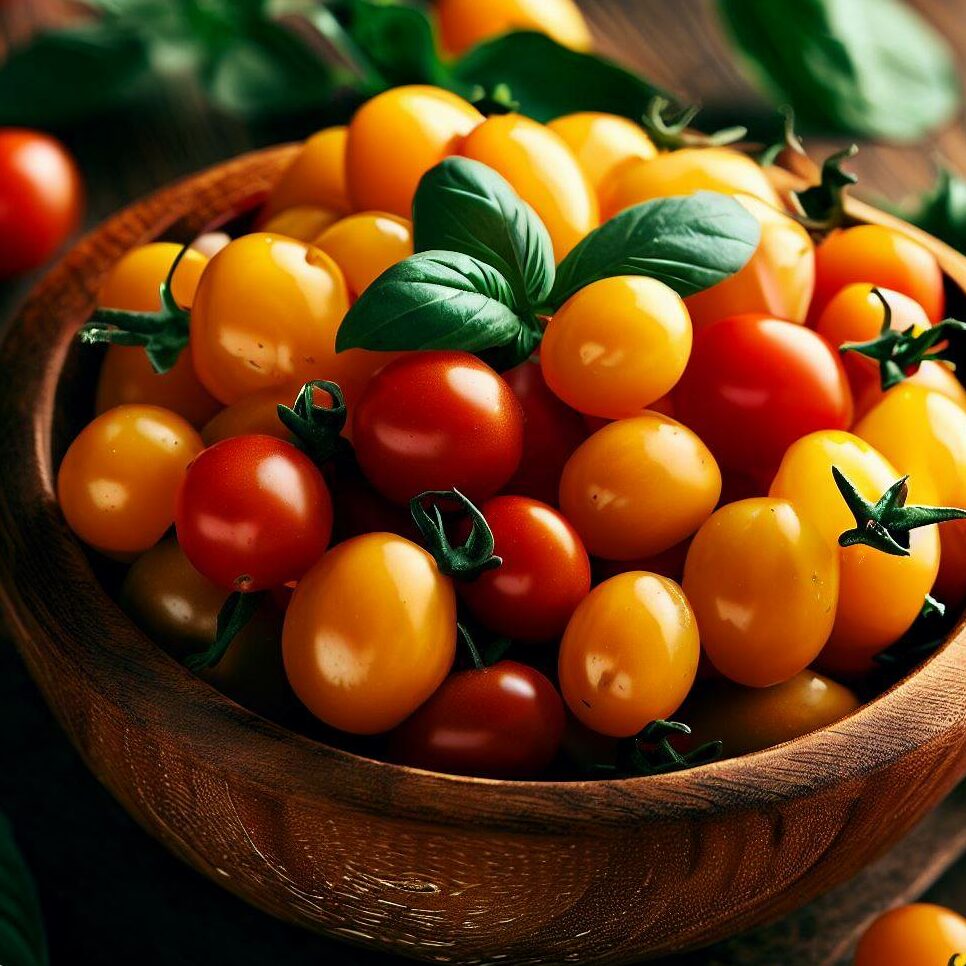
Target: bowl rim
{"points": [[80, 627]]}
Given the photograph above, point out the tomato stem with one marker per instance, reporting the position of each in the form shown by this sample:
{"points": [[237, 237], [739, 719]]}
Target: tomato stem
{"points": [[651, 751], [233, 617], [474, 556], [318, 429], [927, 633], [821, 207], [669, 131], [790, 140]]}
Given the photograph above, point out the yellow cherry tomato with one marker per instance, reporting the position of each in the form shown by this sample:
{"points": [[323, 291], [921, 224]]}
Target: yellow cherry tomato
{"points": [[638, 486], [685, 171], [617, 346], [629, 654], [253, 415], [543, 171], [763, 583], [370, 633], [935, 376], [395, 138], [316, 178], [916, 935], [777, 281], [365, 245], [465, 23], [118, 481], [303, 222], [601, 142], [879, 595]]}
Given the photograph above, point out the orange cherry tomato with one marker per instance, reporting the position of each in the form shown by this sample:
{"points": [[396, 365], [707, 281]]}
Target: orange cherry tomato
{"points": [[253, 415], [629, 655], [916, 935], [881, 256], [541, 167], [617, 346], [370, 633], [303, 222], [317, 176], [777, 281], [638, 486], [118, 482], [934, 376], [395, 138], [759, 573]]}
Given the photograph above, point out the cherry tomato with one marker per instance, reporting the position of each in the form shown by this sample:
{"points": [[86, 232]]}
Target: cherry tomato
{"points": [[881, 256], [253, 415], [253, 513], [303, 222], [119, 479], [629, 654], [465, 23], [879, 595], [435, 421], [763, 583], [601, 142], [934, 376], [127, 375], [316, 177], [638, 486], [777, 281], [504, 721], [209, 243], [396, 137], [370, 633], [544, 172], [916, 935], [545, 572], [617, 346], [365, 245], [41, 199], [683, 172], [756, 384], [359, 509], [551, 432]]}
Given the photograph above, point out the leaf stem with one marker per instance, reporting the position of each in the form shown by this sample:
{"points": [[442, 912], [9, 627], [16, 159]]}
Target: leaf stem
{"points": [[233, 617]]}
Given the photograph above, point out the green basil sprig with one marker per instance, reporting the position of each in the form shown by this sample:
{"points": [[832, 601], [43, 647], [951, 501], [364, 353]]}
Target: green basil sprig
{"points": [[942, 212]]}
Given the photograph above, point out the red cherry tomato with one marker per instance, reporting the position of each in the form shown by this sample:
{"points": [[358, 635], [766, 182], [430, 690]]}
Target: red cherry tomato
{"points": [[253, 513], [551, 432], [756, 384], [41, 199], [545, 572], [504, 721], [438, 421]]}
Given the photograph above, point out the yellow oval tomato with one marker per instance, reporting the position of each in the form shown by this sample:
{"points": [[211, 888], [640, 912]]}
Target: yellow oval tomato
{"points": [[542, 170], [934, 376], [629, 654], [617, 346], [253, 415], [118, 481], [316, 178], [916, 935], [303, 223], [465, 23], [365, 245], [777, 281], [395, 138], [638, 486], [685, 171], [601, 142], [370, 633], [763, 584], [879, 595]]}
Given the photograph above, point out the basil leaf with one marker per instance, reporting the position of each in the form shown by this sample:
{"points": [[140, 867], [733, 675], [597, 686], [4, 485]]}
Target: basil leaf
{"points": [[433, 300], [464, 206], [864, 67], [942, 212], [21, 929], [549, 79], [690, 243]]}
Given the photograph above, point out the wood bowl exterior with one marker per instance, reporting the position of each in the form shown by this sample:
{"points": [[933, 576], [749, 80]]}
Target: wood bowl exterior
{"points": [[440, 868]]}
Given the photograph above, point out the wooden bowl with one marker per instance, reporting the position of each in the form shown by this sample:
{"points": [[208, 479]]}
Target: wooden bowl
{"points": [[444, 869]]}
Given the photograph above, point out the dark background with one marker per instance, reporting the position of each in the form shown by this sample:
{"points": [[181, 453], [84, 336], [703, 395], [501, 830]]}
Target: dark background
{"points": [[110, 894]]}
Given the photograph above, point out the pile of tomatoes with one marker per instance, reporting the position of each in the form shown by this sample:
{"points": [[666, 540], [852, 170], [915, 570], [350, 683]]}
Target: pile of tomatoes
{"points": [[644, 511]]}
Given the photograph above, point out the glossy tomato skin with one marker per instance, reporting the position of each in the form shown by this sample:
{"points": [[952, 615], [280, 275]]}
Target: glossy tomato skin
{"points": [[916, 935], [504, 721], [396, 137], [881, 256], [756, 384], [638, 486], [370, 633], [253, 415], [617, 346], [253, 513], [544, 575], [41, 199], [119, 479], [764, 585], [435, 421], [303, 222], [629, 655], [316, 177]]}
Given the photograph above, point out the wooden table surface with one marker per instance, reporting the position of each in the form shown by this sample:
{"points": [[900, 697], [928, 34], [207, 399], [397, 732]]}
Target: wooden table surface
{"points": [[110, 894]]}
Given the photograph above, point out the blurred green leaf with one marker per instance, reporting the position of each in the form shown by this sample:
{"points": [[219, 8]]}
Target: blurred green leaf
{"points": [[866, 67], [942, 212], [21, 928]]}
